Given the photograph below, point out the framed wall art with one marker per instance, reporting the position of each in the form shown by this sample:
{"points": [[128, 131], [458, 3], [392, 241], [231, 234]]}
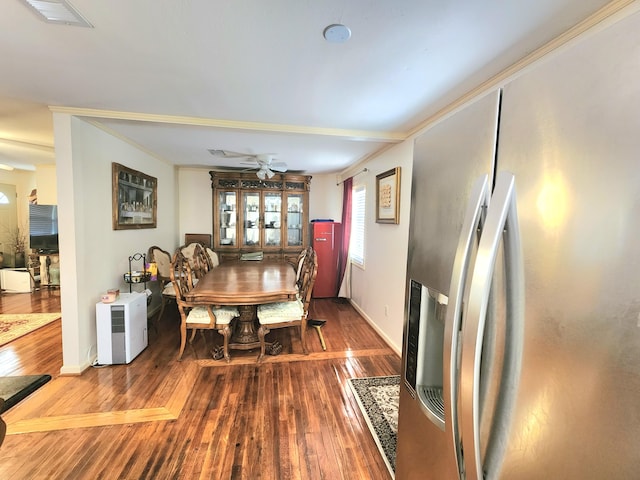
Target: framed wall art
{"points": [[134, 198], [388, 196]]}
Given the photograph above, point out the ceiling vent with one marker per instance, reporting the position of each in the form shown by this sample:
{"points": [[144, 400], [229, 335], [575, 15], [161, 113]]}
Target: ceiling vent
{"points": [[57, 11]]}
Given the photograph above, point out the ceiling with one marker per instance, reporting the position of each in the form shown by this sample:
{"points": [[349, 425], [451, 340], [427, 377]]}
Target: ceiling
{"points": [[179, 77]]}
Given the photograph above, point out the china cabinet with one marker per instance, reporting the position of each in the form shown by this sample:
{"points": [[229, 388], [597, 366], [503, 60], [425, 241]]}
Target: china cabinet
{"points": [[251, 215]]}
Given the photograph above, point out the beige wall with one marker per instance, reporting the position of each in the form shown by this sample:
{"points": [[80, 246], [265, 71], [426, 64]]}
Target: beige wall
{"points": [[25, 181], [46, 185]]}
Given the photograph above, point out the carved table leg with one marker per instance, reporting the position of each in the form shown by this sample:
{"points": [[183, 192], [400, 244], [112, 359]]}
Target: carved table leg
{"points": [[245, 330]]}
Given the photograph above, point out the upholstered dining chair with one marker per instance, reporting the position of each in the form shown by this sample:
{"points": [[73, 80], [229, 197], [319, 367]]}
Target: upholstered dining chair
{"points": [[162, 259], [198, 258], [300, 262], [198, 317], [292, 313]]}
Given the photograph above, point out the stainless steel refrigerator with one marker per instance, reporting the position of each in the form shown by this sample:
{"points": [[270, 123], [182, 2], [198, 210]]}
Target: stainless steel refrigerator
{"points": [[521, 356]]}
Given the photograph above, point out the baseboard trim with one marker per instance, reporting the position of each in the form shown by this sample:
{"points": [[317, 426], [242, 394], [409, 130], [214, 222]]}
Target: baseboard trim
{"points": [[397, 349]]}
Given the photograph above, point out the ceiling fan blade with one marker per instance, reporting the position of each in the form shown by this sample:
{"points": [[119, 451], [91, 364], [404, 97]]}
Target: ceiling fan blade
{"points": [[230, 154], [278, 166]]}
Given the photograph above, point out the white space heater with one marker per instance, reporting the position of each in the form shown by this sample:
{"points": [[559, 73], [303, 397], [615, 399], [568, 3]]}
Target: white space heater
{"points": [[122, 328]]}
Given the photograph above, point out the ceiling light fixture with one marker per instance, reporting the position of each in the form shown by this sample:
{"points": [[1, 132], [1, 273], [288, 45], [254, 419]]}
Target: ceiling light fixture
{"points": [[336, 33], [6, 167], [57, 11]]}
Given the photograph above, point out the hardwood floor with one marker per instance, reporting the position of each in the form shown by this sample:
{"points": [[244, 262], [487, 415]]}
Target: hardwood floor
{"points": [[291, 417]]}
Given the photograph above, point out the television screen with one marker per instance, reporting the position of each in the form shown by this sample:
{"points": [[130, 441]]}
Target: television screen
{"points": [[43, 228]]}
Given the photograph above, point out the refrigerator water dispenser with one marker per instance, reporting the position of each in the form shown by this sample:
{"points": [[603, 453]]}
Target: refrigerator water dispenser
{"points": [[424, 341]]}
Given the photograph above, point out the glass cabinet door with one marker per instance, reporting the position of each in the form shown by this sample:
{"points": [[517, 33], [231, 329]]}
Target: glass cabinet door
{"points": [[272, 219], [250, 219], [295, 215], [228, 217]]}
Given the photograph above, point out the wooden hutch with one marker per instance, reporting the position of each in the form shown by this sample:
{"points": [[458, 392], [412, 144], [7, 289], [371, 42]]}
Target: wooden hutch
{"points": [[253, 215]]}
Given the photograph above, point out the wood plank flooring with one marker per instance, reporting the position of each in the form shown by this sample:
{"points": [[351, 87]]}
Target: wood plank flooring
{"points": [[291, 417]]}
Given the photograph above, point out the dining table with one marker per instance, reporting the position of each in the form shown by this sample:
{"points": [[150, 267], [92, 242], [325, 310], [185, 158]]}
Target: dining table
{"points": [[246, 284]]}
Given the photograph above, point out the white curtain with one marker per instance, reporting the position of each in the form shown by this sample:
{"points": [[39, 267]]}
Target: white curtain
{"points": [[345, 286]]}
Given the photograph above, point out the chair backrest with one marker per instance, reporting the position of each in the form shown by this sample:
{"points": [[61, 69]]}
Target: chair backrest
{"points": [[202, 261], [308, 278], [300, 263], [162, 259], [197, 257], [181, 277]]}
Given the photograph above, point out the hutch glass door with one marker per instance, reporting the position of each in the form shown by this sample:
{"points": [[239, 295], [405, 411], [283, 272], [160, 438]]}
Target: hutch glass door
{"points": [[295, 215], [272, 219], [251, 219], [228, 217]]}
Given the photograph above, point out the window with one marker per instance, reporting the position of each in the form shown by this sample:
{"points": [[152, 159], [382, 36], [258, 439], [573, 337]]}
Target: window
{"points": [[356, 246], [4, 199]]}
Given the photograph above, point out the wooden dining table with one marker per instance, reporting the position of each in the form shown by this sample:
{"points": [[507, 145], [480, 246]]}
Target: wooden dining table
{"points": [[246, 284]]}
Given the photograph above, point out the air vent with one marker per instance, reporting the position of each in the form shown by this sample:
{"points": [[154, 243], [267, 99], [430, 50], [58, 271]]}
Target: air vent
{"points": [[57, 11]]}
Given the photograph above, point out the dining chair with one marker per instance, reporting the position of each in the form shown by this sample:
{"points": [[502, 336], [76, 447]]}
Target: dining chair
{"points": [[162, 259], [199, 317], [291, 313], [199, 261], [300, 262]]}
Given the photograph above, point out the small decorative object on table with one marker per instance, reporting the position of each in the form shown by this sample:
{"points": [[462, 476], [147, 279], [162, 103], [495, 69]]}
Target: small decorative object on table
{"points": [[111, 295]]}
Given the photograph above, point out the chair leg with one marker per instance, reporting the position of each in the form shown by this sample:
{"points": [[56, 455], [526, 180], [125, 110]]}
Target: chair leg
{"points": [[262, 332], [193, 335], [226, 335], [303, 336], [183, 339], [162, 305]]}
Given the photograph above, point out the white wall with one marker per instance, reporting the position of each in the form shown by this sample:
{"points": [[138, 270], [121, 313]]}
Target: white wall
{"points": [[195, 203], [46, 184], [378, 289], [93, 256], [25, 181], [325, 197]]}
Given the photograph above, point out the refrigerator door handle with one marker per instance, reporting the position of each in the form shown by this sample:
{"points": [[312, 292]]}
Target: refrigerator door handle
{"points": [[501, 223], [476, 209]]}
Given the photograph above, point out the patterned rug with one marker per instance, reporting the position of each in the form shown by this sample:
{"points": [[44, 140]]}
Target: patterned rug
{"points": [[14, 325], [378, 398]]}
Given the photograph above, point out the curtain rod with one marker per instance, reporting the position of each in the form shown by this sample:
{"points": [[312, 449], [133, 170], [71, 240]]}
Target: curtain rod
{"points": [[364, 170]]}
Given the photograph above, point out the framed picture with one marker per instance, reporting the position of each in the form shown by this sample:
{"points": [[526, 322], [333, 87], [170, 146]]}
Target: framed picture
{"points": [[388, 196], [134, 198]]}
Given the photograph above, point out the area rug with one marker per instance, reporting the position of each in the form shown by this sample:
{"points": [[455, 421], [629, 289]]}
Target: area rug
{"points": [[378, 398], [14, 325], [14, 389]]}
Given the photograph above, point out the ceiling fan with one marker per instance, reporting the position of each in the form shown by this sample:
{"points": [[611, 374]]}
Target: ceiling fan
{"points": [[262, 161]]}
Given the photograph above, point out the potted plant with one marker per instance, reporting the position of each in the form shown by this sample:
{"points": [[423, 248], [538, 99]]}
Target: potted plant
{"points": [[16, 242]]}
